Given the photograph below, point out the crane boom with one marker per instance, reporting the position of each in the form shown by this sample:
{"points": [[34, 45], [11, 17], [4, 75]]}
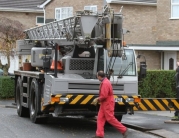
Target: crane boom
{"points": [[52, 30], [84, 29], [76, 28]]}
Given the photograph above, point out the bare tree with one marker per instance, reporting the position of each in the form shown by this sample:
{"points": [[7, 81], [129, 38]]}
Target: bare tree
{"points": [[10, 31]]}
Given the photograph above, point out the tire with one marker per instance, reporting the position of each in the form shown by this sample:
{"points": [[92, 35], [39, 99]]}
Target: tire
{"points": [[89, 116], [35, 103], [21, 111], [119, 117]]}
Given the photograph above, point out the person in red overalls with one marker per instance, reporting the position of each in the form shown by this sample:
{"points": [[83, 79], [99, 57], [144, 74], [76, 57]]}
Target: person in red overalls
{"points": [[106, 110]]}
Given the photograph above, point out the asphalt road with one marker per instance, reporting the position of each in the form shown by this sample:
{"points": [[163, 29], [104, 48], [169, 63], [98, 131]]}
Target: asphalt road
{"points": [[13, 126]]}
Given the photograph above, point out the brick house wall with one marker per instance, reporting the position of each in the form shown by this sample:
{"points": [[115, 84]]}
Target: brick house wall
{"points": [[167, 29], [140, 20], [27, 19], [77, 6], [153, 59]]}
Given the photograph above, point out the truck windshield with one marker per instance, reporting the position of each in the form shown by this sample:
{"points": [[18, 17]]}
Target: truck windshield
{"points": [[122, 67]]}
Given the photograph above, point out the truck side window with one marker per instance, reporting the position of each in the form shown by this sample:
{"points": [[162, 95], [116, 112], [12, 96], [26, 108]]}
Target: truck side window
{"points": [[100, 60]]}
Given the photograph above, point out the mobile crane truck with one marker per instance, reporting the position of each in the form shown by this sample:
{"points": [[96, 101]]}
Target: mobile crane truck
{"points": [[66, 55]]}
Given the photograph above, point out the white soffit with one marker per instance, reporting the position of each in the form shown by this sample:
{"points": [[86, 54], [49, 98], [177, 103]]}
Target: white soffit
{"points": [[132, 2], [155, 48]]}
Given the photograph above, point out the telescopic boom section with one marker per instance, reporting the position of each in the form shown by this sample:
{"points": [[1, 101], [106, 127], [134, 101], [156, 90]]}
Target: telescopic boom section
{"points": [[55, 30], [77, 28], [85, 29]]}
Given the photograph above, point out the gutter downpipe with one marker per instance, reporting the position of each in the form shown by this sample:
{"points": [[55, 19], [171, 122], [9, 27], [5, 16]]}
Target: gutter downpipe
{"points": [[40, 6], [43, 6], [44, 14]]}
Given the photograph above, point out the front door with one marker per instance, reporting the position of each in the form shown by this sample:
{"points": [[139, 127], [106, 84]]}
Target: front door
{"points": [[170, 60]]}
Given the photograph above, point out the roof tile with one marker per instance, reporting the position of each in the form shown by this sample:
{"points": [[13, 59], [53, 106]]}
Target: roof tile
{"points": [[21, 4]]}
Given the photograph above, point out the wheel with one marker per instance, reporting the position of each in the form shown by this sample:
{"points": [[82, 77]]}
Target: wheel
{"points": [[21, 111], [89, 116], [119, 117], [35, 103]]}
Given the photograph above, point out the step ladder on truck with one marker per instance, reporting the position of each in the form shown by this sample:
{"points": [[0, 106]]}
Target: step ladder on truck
{"points": [[65, 57]]}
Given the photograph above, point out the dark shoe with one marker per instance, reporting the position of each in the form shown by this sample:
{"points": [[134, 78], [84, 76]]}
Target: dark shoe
{"points": [[97, 137], [125, 134]]}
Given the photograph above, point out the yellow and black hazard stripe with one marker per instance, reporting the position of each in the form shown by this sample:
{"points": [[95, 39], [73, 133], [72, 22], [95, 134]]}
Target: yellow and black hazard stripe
{"points": [[158, 104], [74, 99], [88, 99], [80, 99]]}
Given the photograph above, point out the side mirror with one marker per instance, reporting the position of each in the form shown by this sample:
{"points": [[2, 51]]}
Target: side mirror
{"points": [[143, 70], [143, 67]]}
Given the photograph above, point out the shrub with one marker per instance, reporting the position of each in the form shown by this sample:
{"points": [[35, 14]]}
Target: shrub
{"points": [[6, 87], [158, 84]]}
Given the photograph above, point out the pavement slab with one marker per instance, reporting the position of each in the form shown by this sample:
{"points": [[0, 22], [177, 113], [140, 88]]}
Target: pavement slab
{"points": [[171, 122], [164, 133], [150, 122], [9, 103]]}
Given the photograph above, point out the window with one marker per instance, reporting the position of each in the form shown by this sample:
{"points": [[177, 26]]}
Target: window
{"points": [[100, 59], [39, 20], [175, 9], [63, 12], [123, 67], [93, 8], [171, 64]]}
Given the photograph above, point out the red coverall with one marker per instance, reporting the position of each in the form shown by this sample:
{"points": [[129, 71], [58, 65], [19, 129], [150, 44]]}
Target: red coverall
{"points": [[106, 111]]}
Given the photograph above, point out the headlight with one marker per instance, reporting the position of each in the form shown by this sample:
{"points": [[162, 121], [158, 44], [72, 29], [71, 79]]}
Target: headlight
{"points": [[64, 99], [129, 100]]}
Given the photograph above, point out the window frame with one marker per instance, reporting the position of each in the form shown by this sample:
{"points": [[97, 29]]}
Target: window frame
{"points": [[60, 8], [92, 6], [173, 4], [37, 20]]}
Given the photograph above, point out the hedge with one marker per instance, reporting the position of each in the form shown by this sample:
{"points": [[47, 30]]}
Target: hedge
{"points": [[6, 87], [158, 84]]}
